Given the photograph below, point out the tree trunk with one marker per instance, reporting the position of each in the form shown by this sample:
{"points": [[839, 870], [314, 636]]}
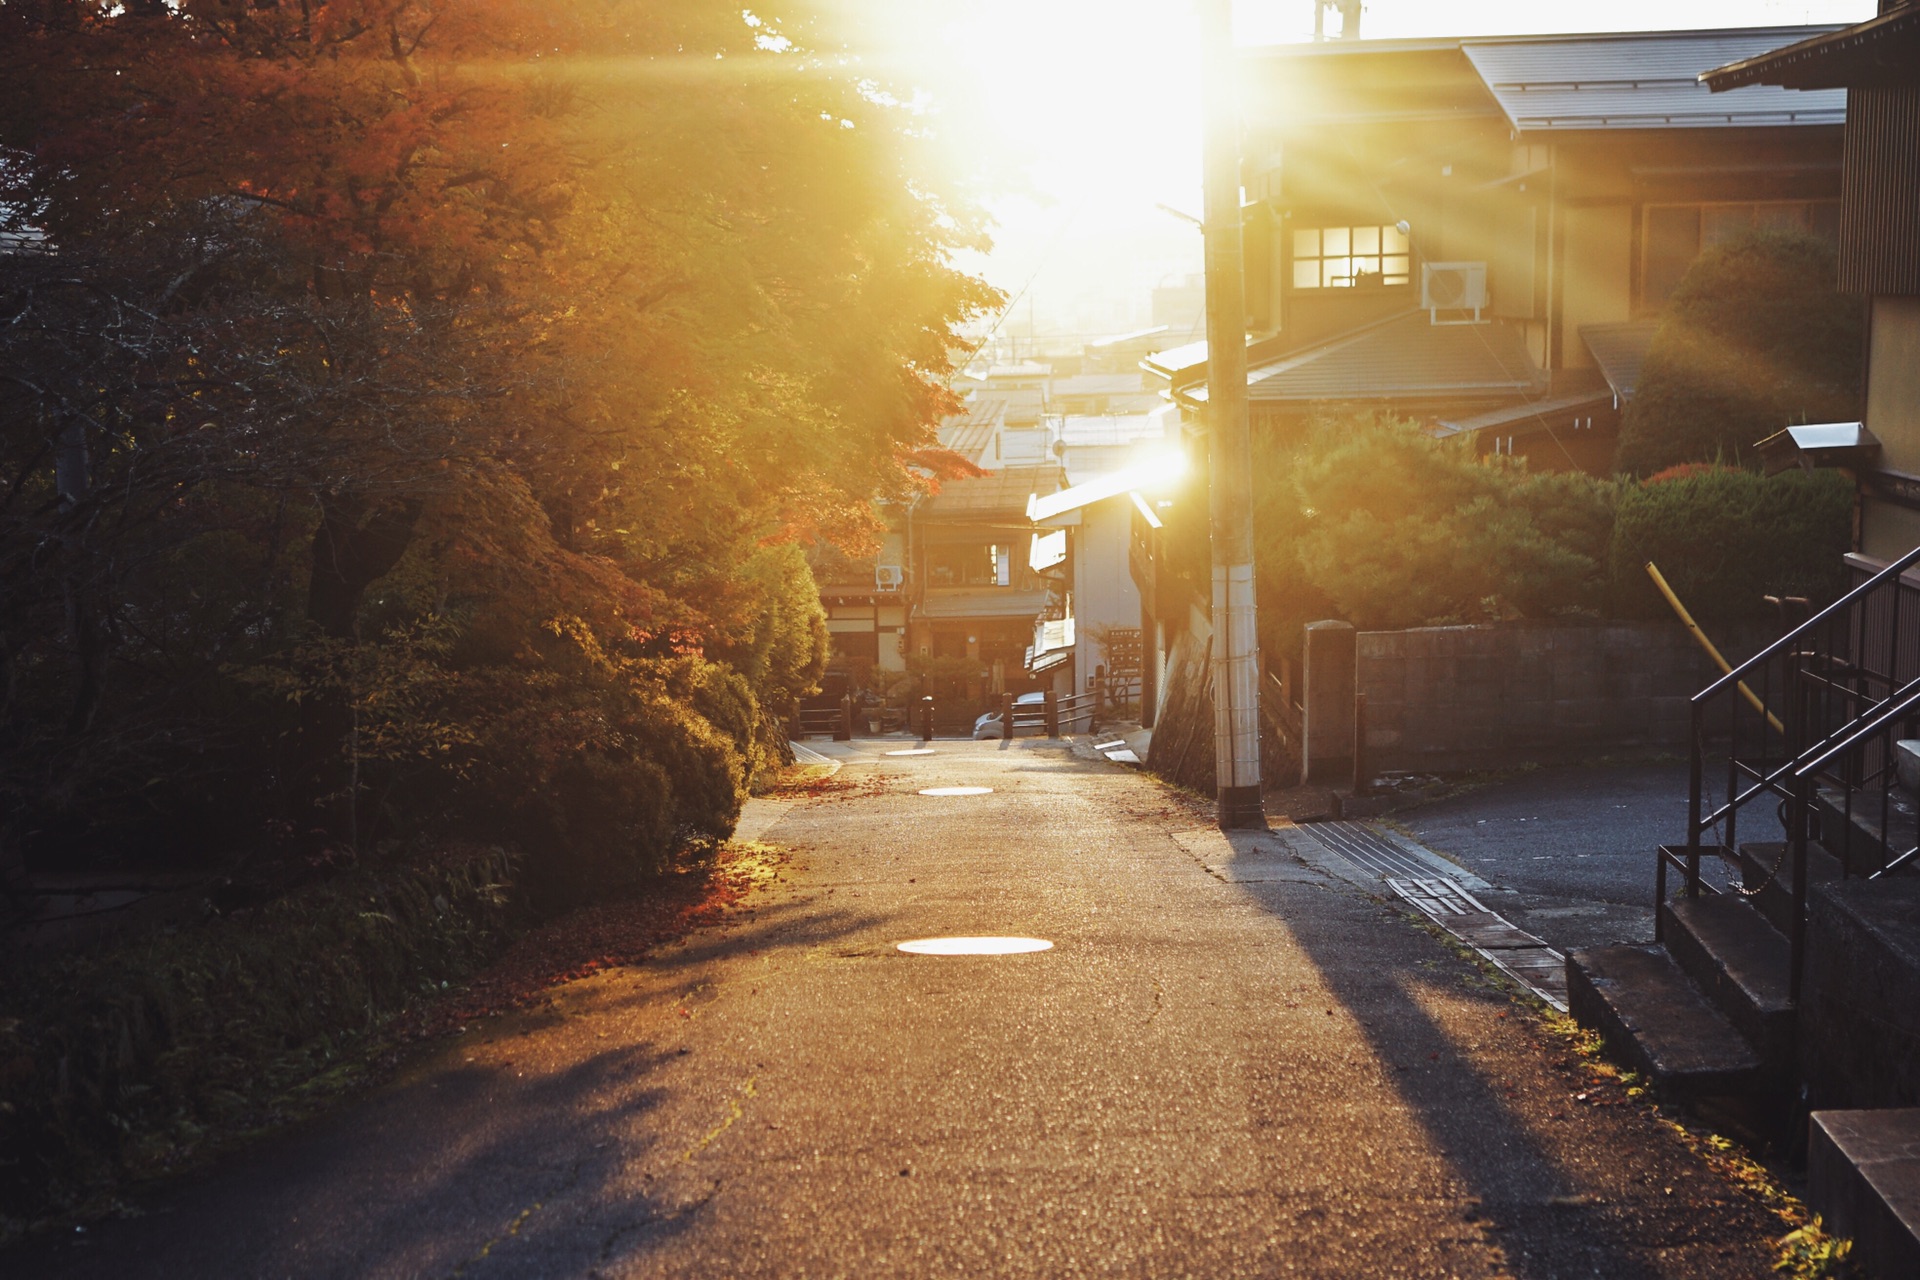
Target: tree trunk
{"points": [[355, 546]]}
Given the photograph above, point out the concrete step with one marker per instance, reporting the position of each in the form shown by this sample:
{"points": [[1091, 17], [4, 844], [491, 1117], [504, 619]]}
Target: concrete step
{"points": [[1766, 872], [1858, 835], [1655, 1021], [1740, 963], [1863, 1178], [1906, 762]]}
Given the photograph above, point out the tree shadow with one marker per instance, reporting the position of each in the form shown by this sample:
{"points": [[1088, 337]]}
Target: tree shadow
{"points": [[479, 1152], [1552, 1207]]}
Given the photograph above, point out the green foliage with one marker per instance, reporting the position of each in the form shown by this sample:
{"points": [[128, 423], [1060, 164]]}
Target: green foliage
{"points": [[1369, 519], [119, 1062], [1754, 339], [1725, 538]]}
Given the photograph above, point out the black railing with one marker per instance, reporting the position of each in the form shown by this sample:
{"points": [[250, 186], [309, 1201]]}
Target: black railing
{"points": [[1807, 725]]}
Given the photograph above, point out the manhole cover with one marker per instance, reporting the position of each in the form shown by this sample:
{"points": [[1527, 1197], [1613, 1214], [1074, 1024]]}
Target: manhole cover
{"points": [[956, 791], [974, 946], [917, 751]]}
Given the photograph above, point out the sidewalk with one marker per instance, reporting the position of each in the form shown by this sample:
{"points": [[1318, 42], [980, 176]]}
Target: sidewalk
{"points": [[1213, 1071]]}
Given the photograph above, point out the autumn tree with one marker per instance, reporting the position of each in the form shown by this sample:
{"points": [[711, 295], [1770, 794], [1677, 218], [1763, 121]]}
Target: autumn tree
{"points": [[406, 404]]}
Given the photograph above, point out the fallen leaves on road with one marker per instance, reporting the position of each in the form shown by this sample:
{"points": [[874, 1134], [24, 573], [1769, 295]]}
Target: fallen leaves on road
{"points": [[812, 788], [607, 935]]}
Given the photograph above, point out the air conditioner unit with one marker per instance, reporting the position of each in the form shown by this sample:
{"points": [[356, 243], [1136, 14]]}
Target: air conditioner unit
{"points": [[888, 577], [1453, 286]]}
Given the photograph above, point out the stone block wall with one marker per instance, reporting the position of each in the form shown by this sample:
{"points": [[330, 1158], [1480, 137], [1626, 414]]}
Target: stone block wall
{"points": [[1442, 698]]}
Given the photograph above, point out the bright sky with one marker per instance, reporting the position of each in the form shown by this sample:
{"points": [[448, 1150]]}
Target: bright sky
{"points": [[1092, 107]]}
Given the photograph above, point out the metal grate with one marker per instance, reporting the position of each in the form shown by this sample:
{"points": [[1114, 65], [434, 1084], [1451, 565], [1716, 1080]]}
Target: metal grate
{"points": [[1369, 850]]}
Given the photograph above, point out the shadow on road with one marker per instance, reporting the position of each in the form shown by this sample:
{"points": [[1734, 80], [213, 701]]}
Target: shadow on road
{"points": [[1553, 1207]]}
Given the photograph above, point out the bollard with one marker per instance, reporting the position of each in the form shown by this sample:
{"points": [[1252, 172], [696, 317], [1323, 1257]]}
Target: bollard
{"points": [[1006, 716], [1053, 714], [844, 731], [926, 718]]}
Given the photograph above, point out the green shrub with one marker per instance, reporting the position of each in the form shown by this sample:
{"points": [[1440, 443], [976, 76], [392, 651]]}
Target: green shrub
{"points": [[1372, 520], [116, 1061], [1754, 339], [1725, 538]]}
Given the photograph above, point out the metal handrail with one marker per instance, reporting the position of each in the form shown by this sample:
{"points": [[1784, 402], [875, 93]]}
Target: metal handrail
{"points": [[1836, 698], [1774, 650], [1903, 705]]}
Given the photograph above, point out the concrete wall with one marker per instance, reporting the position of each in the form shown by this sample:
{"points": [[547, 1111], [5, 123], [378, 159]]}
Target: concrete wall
{"points": [[1469, 697]]}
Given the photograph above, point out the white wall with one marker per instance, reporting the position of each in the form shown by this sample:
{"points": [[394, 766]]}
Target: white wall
{"points": [[1103, 590]]}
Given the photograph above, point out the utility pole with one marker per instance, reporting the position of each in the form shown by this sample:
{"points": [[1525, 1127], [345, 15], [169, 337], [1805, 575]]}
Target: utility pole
{"points": [[1236, 648]]}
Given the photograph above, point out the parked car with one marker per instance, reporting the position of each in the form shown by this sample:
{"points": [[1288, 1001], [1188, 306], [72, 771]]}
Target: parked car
{"points": [[988, 725]]}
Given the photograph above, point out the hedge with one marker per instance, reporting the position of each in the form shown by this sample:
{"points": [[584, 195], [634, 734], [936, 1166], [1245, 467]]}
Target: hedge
{"points": [[1725, 538], [118, 1062]]}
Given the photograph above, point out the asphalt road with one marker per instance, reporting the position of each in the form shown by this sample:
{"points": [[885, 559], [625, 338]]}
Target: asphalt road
{"points": [[1571, 847], [1270, 1073]]}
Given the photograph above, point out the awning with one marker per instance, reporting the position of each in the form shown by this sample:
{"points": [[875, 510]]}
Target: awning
{"points": [[983, 602], [1523, 419], [1819, 444], [1050, 661]]}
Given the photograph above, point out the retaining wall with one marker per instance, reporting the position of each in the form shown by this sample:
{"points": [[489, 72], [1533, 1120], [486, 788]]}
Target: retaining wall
{"points": [[1441, 698]]}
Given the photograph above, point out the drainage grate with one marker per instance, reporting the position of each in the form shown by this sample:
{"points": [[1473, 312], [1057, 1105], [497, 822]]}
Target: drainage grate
{"points": [[1369, 850], [1524, 958], [1441, 896]]}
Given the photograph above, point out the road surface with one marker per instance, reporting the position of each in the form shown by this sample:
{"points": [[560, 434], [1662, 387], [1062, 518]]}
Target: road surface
{"points": [[1205, 1076]]}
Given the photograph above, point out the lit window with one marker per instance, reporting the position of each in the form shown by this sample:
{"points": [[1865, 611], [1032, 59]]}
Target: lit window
{"points": [[1347, 257]]}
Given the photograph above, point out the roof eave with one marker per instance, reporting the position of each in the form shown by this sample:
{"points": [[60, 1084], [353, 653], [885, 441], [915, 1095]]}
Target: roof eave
{"points": [[1776, 67]]}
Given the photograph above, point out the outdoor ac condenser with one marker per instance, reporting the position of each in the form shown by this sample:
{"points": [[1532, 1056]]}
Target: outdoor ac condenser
{"points": [[1453, 286], [888, 577]]}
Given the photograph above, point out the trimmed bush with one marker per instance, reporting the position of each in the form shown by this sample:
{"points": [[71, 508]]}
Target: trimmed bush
{"points": [[116, 1061], [1755, 339], [1372, 520], [1725, 538]]}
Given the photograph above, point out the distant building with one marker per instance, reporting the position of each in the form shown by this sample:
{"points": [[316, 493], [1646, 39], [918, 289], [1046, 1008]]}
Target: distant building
{"points": [[1480, 233], [1123, 352]]}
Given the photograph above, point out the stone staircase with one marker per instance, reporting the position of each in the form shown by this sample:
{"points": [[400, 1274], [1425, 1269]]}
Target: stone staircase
{"points": [[1706, 1014], [1785, 1002]]}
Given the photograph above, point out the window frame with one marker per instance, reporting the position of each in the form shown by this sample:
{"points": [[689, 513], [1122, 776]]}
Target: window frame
{"points": [[1378, 243]]}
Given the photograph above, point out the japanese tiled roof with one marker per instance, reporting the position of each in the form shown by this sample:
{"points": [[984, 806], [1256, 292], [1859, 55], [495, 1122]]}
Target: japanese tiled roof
{"points": [[1883, 50], [999, 495], [1642, 80], [970, 434], [981, 602], [1405, 356], [1527, 415], [1565, 83]]}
